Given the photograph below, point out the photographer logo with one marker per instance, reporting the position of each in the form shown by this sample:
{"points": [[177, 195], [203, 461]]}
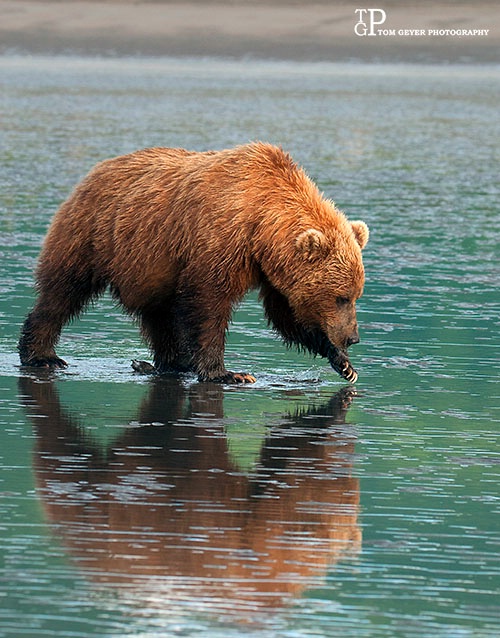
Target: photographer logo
{"points": [[368, 19]]}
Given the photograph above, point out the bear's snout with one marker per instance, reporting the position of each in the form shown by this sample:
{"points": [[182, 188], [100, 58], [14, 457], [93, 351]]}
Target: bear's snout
{"points": [[353, 339], [341, 335]]}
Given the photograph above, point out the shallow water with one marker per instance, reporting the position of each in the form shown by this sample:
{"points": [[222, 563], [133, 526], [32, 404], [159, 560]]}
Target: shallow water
{"points": [[294, 507]]}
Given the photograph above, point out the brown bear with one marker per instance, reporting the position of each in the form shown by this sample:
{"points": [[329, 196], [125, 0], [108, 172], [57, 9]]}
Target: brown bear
{"points": [[179, 237]]}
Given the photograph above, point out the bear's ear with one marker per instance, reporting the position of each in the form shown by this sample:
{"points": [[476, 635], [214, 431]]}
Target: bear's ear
{"points": [[361, 233], [312, 244]]}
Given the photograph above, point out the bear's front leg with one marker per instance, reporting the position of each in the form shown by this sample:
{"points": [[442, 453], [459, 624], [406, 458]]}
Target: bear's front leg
{"points": [[209, 362], [208, 354]]}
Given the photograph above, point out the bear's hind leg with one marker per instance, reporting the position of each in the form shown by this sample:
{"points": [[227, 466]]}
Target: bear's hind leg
{"points": [[61, 299], [39, 334]]}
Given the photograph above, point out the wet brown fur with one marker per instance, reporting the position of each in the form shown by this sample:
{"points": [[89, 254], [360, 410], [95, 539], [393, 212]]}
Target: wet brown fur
{"points": [[180, 237]]}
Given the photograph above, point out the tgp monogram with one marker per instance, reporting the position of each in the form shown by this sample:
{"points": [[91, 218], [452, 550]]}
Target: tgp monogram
{"points": [[368, 19]]}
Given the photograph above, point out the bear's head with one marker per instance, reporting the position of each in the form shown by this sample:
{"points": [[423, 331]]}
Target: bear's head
{"points": [[321, 279], [330, 282]]}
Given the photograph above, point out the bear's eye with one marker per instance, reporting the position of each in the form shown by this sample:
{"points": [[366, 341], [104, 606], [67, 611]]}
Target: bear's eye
{"points": [[342, 301]]}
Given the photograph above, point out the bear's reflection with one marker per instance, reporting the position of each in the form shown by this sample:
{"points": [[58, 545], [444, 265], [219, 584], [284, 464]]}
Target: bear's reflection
{"points": [[165, 508]]}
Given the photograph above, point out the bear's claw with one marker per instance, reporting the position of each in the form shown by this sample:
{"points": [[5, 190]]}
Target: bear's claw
{"points": [[235, 377], [244, 377], [341, 364], [349, 373]]}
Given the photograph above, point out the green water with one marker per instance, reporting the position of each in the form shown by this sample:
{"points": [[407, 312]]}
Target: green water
{"points": [[137, 508]]}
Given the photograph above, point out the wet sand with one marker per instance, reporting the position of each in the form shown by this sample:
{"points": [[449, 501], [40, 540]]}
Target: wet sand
{"points": [[281, 29]]}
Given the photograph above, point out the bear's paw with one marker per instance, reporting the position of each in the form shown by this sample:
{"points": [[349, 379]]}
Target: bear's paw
{"points": [[235, 377], [50, 363]]}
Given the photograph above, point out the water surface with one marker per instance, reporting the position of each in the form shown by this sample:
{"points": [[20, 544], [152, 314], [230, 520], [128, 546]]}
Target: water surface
{"points": [[293, 507]]}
